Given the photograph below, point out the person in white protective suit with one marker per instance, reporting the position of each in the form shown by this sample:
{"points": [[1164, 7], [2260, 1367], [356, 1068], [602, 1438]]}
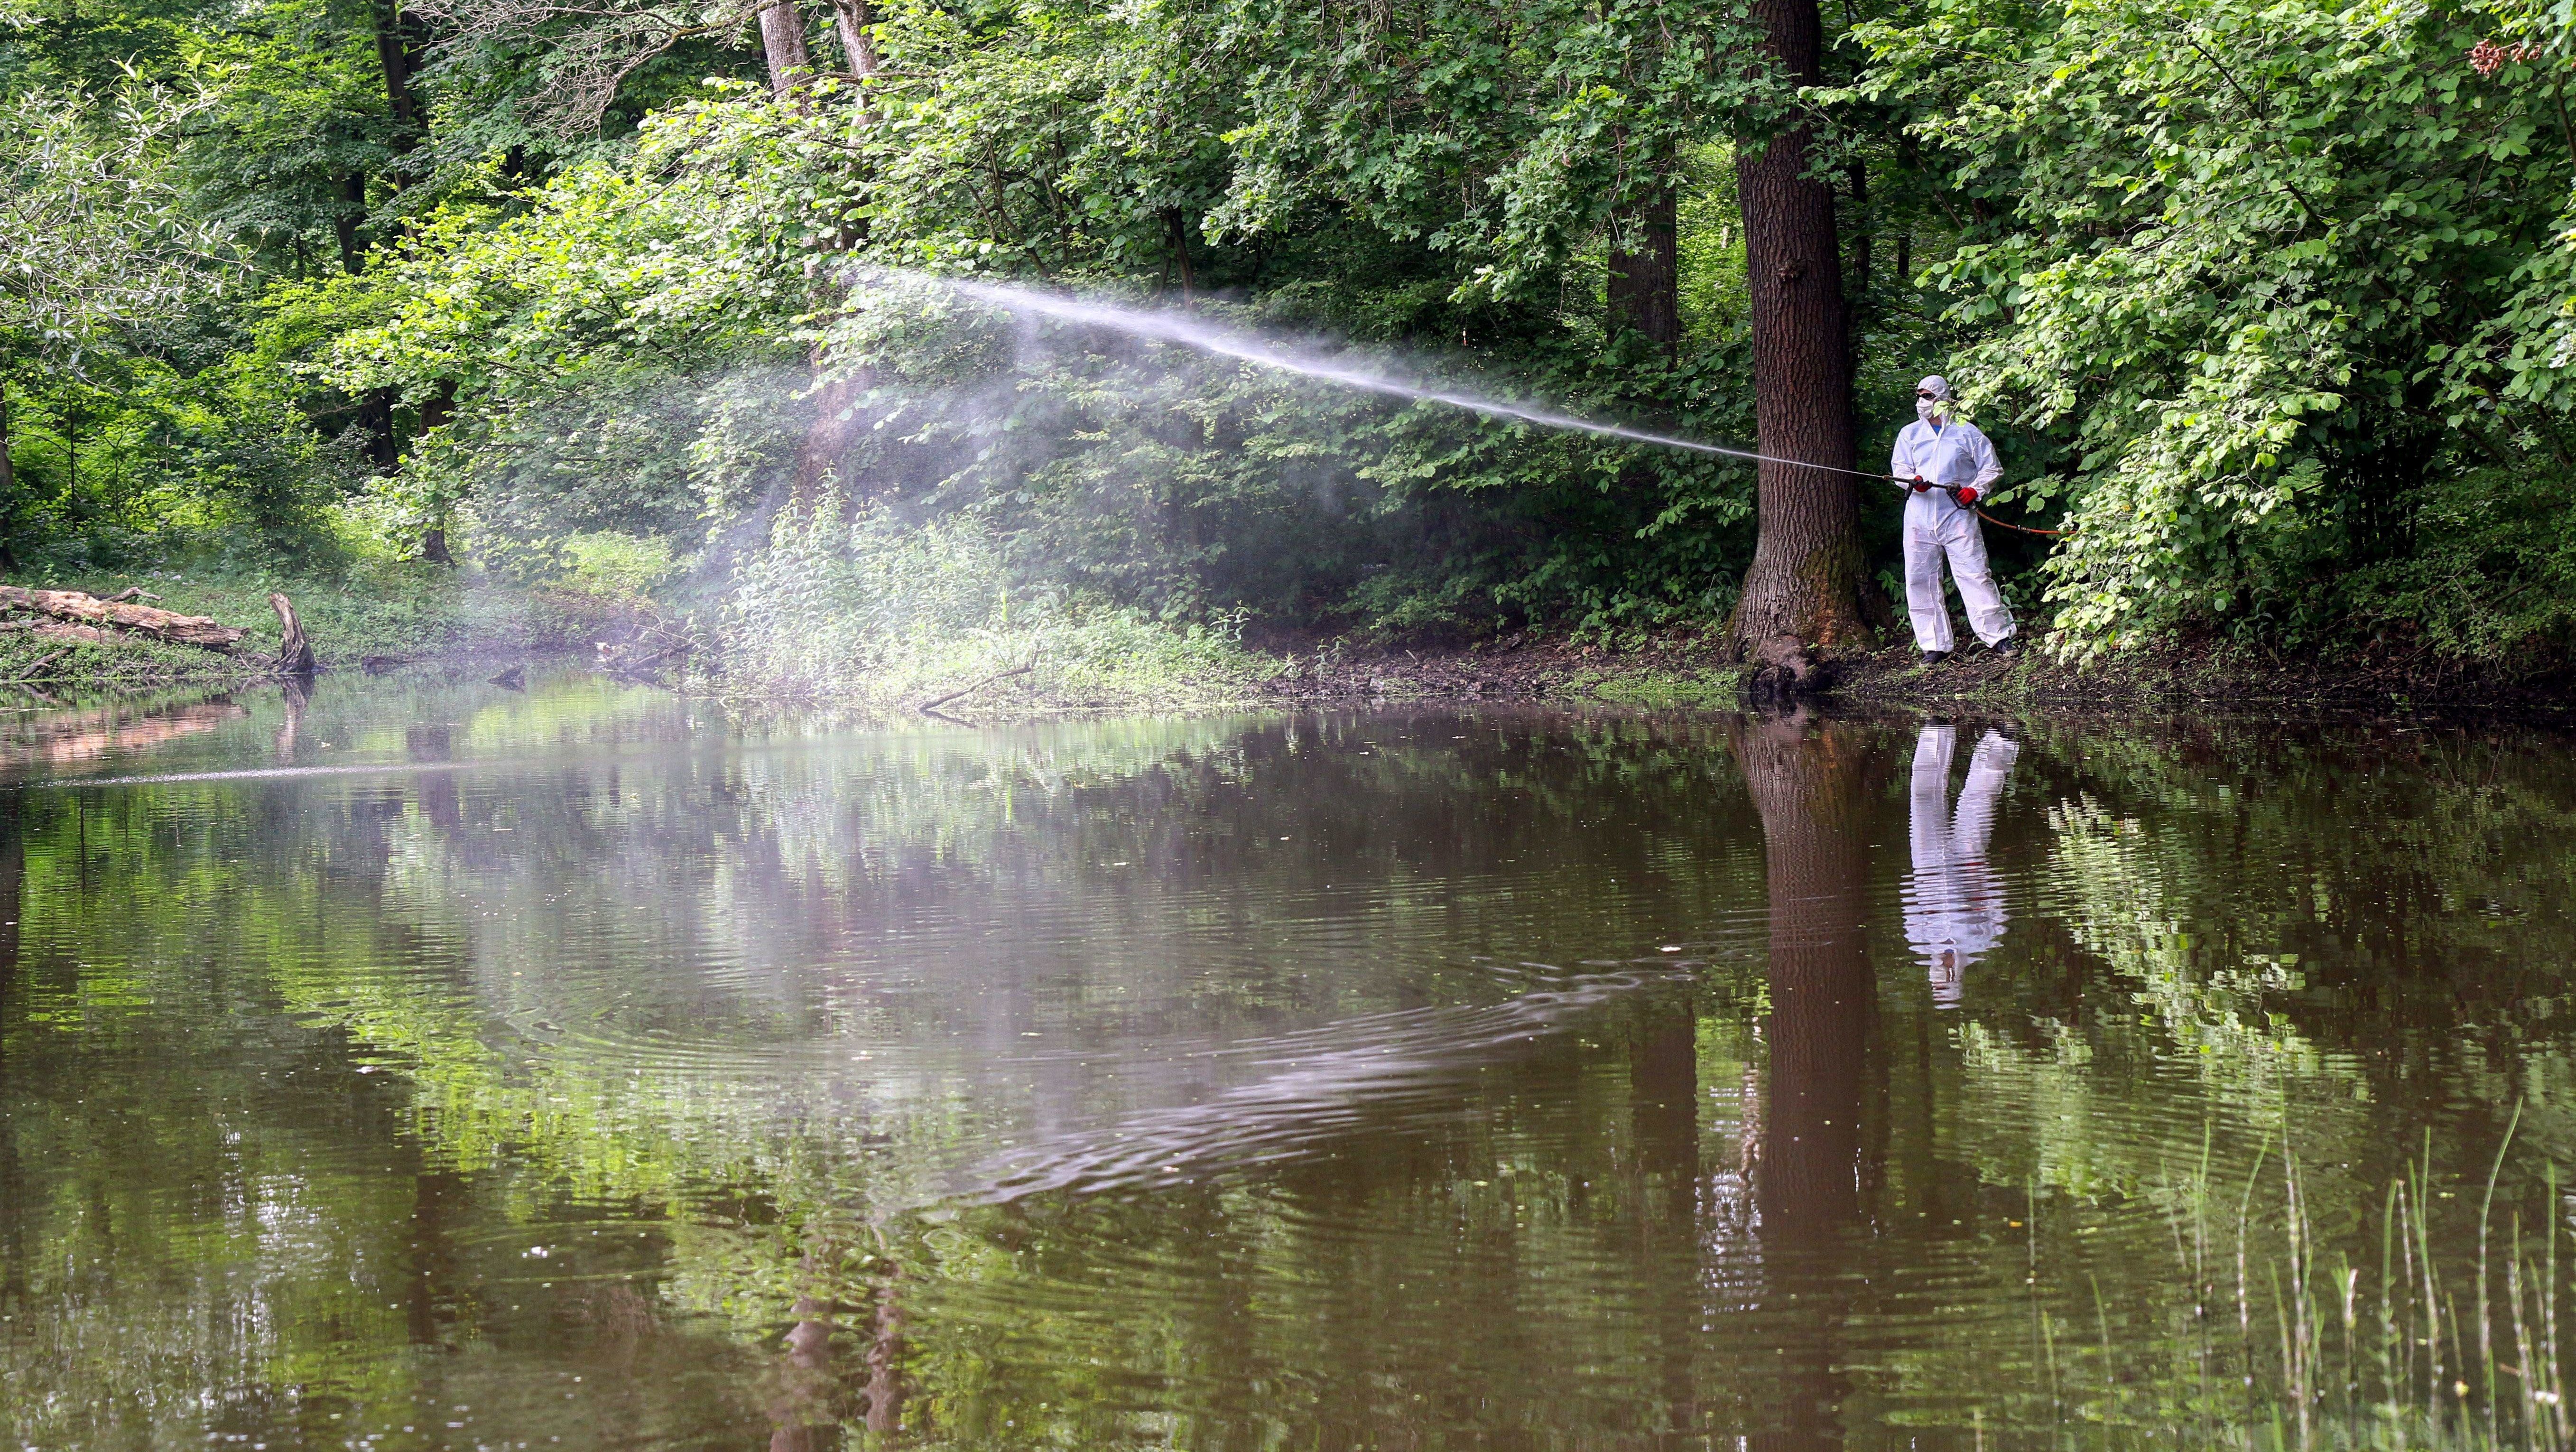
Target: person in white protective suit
{"points": [[1949, 465], [1954, 901]]}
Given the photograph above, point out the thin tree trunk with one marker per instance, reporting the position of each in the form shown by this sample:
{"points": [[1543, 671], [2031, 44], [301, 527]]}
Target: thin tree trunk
{"points": [[394, 58], [852, 19], [1856, 271], [376, 406], [8, 482], [1805, 586], [829, 435], [1181, 252], [831, 431], [435, 411], [345, 223], [782, 41], [1645, 282]]}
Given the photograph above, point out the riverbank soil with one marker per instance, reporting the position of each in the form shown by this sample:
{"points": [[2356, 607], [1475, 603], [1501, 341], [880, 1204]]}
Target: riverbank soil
{"points": [[2205, 672], [1687, 669], [1675, 669]]}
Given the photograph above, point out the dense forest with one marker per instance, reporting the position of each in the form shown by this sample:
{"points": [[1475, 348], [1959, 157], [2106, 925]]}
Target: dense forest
{"points": [[2270, 307]]}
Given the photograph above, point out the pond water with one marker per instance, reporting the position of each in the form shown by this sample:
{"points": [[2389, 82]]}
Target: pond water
{"points": [[428, 1065]]}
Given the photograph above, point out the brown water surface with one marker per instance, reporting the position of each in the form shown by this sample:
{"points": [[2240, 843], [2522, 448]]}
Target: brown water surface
{"points": [[427, 1065]]}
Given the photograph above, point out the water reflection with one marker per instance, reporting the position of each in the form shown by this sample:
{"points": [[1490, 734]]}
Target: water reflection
{"points": [[1954, 906], [587, 1069], [1812, 783]]}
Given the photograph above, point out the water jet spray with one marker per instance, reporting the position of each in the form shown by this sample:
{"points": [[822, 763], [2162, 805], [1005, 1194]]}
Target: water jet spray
{"points": [[1183, 330]]}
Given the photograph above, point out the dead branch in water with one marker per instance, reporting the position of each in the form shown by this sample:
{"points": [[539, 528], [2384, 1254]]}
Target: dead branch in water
{"points": [[932, 705]]}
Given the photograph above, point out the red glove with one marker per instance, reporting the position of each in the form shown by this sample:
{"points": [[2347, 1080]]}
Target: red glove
{"points": [[1921, 483], [1967, 496]]}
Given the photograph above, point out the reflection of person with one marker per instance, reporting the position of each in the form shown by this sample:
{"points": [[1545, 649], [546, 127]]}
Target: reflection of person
{"points": [[1954, 902], [1950, 466]]}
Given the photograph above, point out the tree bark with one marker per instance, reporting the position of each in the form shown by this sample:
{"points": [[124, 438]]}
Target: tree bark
{"points": [[8, 482], [782, 42], [831, 432], [1645, 282], [1804, 588], [344, 224], [394, 56], [852, 19], [294, 652], [1181, 253], [435, 411]]}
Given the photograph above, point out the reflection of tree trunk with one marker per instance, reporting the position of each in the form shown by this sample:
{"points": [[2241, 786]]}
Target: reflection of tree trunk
{"points": [[802, 1415], [1663, 1096], [297, 690], [1812, 788], [885, 1363], [430, 1256]]}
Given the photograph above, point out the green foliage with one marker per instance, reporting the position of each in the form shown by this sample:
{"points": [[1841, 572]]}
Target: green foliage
{"points": [[888, 612], [2269, 302], [2280, 284]]}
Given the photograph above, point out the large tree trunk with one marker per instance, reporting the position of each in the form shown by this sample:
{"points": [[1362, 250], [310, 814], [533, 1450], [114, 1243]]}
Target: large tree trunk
{"points": [[1645, 283], [1806, 582], [782, 41], [1811, 783]]}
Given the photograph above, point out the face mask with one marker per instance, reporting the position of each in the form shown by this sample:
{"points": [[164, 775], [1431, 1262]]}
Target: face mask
{"points": [[1924, 408]]}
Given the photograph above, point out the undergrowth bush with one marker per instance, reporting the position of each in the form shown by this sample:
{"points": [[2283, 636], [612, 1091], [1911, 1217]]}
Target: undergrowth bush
{"points": [[865, 606]]}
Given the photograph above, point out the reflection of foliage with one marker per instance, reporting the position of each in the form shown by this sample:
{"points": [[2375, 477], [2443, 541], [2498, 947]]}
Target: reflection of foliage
{"points": [[602, 992]]}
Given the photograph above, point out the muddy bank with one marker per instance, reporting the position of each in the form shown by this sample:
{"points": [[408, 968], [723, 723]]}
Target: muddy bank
{"points": [[1693, 670], [1678, 670]]}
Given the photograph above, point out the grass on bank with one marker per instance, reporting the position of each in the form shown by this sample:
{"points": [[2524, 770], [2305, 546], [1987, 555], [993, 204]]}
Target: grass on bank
{"points": [[400, 609]]}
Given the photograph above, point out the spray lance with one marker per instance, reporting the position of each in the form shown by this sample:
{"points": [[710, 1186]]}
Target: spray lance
{"points": [[1966, 494]]}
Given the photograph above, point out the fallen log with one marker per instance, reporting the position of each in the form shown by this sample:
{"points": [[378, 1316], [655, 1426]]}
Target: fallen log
{"points": [[58, 630], [71, 605]]}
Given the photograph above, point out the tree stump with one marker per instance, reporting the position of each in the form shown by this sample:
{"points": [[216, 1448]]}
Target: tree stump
{"points": [[294, 652]]}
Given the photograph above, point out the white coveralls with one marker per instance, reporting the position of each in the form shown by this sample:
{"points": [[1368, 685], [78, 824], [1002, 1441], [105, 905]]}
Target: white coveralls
{"points": [[1954, 901], [1950, 455]]}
